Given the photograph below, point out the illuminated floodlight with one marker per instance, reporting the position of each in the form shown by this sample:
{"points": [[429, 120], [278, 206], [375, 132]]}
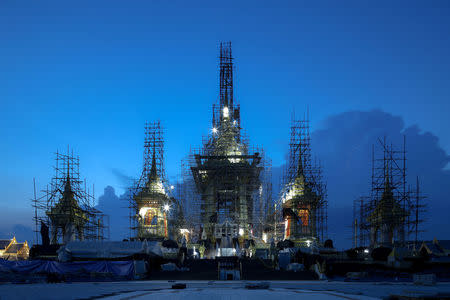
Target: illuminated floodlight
{"points": [[234, 122], [308, 243], [166, 207], [366, 250], [214, 130], [172, 187], [226, 112]]}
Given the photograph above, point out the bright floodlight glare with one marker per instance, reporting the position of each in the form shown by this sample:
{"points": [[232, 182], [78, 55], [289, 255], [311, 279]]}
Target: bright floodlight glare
{"points": [[172, 187], [214, 130], [166, 207], [366, 250], [226, 112]]}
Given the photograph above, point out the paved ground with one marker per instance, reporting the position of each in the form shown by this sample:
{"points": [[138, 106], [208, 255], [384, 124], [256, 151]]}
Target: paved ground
{"points": [[216, 290]]}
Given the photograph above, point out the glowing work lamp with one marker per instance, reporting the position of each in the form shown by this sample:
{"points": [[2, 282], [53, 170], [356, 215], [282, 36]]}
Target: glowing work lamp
{"points": [[226, 112]]}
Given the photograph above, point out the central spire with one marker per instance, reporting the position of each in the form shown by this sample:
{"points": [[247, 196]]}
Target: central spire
{"points": [[227, 113], [226, 77]]}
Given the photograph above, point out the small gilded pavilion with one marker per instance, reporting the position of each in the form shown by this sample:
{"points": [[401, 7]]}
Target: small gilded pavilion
{"points": [[152, 203], [299, 207], [67, 218], [387, 218], [10, 249]]}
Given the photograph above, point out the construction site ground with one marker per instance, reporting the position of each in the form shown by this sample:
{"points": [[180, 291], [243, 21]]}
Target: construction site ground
{"points": [[222, 290]]}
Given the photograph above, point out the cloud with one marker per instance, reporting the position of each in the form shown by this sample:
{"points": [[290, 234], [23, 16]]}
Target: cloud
{"points": [[124, 179], [117, 210]]}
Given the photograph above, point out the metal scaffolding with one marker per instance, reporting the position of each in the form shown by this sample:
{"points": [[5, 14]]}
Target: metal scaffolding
{"points": [[152, 208], [226, 183], [304, 196], [393, 211], [66, 206]]}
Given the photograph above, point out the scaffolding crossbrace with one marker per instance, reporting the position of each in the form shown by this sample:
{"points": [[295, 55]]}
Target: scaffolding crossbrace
{"points": [[68, 201], [393, 212]]}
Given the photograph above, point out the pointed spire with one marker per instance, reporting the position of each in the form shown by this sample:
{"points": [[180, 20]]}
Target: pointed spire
{"points": [[68, 187], [226, 76], [300, 163], [153, 172], [387, 185]]}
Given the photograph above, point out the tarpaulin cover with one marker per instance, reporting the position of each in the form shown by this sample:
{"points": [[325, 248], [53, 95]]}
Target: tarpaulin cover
{"points": [[84, 250], [117, 268]]}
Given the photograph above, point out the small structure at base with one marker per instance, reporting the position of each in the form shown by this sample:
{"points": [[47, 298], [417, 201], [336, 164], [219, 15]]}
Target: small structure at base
{"points": [[12, 250], [229, 268]]}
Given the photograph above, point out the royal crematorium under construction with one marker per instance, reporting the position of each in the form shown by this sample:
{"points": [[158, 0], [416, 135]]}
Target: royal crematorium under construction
{"points": [[223, 221], [227, 190]]}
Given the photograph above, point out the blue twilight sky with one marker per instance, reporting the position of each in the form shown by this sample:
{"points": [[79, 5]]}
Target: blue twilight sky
{"points": [[90, 73]]}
